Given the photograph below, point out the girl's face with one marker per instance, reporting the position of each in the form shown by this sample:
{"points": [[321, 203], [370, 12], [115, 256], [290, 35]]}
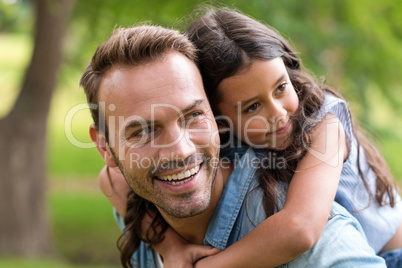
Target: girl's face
{"points": [[259, 101]]}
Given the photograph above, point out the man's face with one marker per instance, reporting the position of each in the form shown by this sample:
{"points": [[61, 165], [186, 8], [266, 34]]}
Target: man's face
{"points": [[162, 133]]}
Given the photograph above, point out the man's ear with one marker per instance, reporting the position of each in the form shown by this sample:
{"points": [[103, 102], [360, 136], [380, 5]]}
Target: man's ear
{"points": [[102, 146]]}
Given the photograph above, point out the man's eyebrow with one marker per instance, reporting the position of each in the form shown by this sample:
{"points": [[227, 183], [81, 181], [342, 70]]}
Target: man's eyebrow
{"points": [[137, 123], [141, 122], [192, 106]]}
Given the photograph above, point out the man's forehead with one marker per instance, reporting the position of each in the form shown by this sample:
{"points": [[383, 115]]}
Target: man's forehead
{"points": [[172, 74], [149, 96], [173, 82]]}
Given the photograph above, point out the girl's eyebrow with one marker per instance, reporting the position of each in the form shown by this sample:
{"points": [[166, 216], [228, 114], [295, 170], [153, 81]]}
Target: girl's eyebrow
{"points": [[280, 79], [245, 102]]}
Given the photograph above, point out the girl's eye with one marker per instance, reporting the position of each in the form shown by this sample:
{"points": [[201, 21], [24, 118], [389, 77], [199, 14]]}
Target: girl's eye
{"points": [[252, 107], [281, 88]]}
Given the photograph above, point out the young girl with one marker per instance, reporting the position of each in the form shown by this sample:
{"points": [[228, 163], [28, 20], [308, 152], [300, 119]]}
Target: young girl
{"points": [[255, 80]]}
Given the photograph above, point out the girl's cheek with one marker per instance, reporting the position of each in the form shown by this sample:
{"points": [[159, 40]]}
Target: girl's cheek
{"points": [[295, 102], [257, 125], [254, 131]]}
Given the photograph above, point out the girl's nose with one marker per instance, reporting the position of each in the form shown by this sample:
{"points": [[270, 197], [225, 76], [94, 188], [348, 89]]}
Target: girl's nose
{"points": [[276, 112]]}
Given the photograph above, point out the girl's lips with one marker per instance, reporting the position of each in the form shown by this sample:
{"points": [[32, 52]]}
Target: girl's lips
{"points": [[282, 130]]}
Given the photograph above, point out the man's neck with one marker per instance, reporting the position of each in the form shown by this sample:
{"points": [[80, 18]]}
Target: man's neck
{"points": [[193, 229]]}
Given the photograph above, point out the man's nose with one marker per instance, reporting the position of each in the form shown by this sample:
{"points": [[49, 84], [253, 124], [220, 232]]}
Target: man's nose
{"points": [[176, 144]]}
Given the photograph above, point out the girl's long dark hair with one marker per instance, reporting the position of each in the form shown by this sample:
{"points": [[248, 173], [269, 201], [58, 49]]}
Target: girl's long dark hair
{"points": [[130, 239], [227, 42]]}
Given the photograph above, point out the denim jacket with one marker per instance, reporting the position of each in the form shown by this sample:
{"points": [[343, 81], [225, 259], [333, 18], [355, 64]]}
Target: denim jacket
{"points": [[342, 244]]}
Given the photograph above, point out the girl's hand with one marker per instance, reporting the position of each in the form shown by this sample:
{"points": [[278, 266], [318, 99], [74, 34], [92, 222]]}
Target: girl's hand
{"points": [[177, 253], [187, 255]]}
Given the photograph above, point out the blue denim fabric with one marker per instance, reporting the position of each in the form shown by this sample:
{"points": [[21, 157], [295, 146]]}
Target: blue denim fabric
{"points": [[393, 258], [342, 244]]}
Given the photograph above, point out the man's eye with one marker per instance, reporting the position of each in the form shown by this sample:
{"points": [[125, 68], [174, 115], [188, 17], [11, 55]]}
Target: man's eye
{"points": [[252, 107], [142, 132], [192, 116], [196, 114]]}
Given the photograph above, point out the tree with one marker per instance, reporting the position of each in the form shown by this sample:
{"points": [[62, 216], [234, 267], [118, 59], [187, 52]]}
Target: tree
{"points": [[23, 223]]}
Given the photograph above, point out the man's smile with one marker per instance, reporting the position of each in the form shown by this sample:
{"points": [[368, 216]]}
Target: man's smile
{"points": [[181, 177]]}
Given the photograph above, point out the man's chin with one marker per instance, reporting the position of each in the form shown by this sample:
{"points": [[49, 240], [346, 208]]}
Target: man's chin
{"points": [[188, 210]]}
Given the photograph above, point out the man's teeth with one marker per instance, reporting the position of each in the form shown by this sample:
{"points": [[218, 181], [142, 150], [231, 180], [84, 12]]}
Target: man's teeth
{"points": [[179, 176]]}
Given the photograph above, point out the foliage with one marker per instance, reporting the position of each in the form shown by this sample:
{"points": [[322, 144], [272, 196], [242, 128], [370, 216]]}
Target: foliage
{"points": [[94, 20], [15, 16]]}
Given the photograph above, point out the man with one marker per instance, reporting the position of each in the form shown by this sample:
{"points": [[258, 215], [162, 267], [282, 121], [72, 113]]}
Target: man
{"points": [[153, 122]]}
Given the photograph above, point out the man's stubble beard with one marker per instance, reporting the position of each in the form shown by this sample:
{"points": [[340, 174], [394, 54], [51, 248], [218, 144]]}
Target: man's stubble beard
{"points": [[174, 212]]}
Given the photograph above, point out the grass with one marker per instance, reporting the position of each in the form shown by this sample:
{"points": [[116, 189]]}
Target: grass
{"points": [[43, 263], [84, 230]]}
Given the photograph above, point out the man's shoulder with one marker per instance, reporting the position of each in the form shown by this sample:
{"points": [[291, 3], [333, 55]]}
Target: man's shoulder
{"points": [[342, 244]]}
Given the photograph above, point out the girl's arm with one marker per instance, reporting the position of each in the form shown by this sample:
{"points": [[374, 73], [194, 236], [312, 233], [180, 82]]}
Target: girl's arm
{"points": [[298, 226], [175, 251]]}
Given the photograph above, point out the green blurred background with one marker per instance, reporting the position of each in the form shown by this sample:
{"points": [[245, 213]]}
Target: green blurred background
{"points": [[355, 46]]}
